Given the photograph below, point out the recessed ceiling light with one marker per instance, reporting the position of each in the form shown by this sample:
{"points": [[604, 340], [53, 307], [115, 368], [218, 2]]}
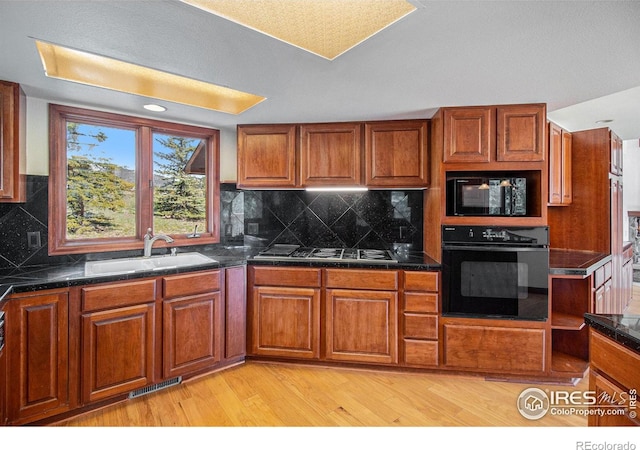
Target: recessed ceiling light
{"points": [[95, 70], [154, 107], [604, 121], [327, 28]]}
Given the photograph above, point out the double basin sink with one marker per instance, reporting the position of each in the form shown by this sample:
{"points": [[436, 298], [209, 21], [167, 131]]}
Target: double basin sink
{"points": [[142, 264]]}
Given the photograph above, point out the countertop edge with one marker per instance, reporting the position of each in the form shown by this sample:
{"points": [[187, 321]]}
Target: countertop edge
{"points": [[600, 323]]}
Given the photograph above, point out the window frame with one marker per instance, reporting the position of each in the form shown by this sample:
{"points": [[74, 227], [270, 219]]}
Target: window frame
{"points": [[59, 115]]}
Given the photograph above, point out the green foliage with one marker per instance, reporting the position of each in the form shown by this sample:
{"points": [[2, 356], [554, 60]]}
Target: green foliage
{"points": [[92, 185], [178, 195]]}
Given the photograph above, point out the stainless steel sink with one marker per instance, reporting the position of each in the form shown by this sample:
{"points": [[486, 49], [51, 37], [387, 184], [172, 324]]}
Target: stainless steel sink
{"points": [[141, 264]]}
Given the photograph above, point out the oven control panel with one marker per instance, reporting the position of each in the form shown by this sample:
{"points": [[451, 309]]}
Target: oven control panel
{"points": [[476, 234]]}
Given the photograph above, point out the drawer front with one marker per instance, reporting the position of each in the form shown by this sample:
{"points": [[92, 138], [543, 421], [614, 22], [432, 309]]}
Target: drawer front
{"points": [[607, 271], [286, 276], [598, 277], [420, 326], [191, 284], [362, 279], [421, 281], [613, 359], [420, 302], [118, 294], [420, 353]]}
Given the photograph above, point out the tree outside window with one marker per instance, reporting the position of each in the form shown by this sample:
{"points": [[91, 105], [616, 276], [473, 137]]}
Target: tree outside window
{"points": [[114, 176]]}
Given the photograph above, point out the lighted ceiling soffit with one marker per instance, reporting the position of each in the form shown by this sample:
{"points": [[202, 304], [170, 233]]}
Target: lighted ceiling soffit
{"points": [[327, 28], [95, 70]]}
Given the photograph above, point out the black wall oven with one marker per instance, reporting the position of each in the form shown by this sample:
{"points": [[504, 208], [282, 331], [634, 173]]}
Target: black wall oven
{"points": [[495, 272]]}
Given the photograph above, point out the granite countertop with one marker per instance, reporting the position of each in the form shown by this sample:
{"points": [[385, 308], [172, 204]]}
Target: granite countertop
{"points": [[35, 278], [575, 262], [622, 328]]}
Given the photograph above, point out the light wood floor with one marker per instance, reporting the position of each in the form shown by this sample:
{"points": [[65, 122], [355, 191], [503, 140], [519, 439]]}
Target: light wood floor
{"points": [[265, 395]]}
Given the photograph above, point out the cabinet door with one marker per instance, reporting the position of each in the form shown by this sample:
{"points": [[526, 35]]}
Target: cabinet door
{"points": [[191, 334], [235, 312], [266, 155], [38, 356], [521, 132], [12, 146], [330, 154], [613, 399], [285, 322], [396, 154], [118, 351], [560, 192], [615, 155], [469, 134], [362, 326]]}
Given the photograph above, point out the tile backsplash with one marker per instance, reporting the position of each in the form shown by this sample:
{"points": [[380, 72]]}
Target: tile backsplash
{"points": [[371, 219]]}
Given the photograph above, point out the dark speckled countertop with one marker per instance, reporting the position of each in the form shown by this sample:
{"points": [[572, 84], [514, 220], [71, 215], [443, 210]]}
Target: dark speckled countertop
{"points": [[622, 328], [50, 277], [575, 262]]}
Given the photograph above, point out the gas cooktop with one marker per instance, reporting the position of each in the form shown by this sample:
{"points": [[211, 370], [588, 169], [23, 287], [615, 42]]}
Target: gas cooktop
{"points": [[282, 252]]}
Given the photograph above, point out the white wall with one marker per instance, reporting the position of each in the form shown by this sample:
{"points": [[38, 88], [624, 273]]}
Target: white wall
{"points": [[38, 142], [630, 181]]}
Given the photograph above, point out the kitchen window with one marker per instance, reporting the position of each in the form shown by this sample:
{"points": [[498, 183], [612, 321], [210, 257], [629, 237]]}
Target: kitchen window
{"points": [[114, 176]]}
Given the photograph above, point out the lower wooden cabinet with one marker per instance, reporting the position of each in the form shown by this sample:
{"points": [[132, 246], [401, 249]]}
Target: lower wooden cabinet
{"points": [[485, 347], [37, 355], [420, 318], [118, 351], [235, 313], [3, 371], [615, 385]]}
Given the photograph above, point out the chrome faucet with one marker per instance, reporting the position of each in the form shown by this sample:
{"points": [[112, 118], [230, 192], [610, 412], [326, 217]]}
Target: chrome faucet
{"points": [[149, 239]]}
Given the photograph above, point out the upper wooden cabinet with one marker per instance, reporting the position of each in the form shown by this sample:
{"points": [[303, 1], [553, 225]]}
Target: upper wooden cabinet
{"points": [[615, 158], [12, 142], [389, 154], [330, 154], [267, 156], [560, 192], [485, 134], [396, 154]]}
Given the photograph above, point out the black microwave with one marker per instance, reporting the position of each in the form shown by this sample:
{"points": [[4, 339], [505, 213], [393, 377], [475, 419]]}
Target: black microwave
{"points": [[480, 196]]}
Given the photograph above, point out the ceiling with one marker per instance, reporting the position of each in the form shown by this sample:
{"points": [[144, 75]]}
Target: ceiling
{"points": [[581, 58]]}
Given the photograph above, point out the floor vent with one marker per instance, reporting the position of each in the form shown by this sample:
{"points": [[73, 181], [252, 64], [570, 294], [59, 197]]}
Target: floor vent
{"points": [[155, 387]]}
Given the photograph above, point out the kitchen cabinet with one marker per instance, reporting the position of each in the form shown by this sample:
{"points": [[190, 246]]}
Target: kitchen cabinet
{"points": [[266, 156], [119, 338], [284, 312], [235, 342], [37, 352], [493, 346], [419, 319], [489, 134], [12, 142], [560, 140], [361, 315], [391, 154], [330, 154], [627, 278], [396, 154], [192, 322], [595, 213], [613, 379]]}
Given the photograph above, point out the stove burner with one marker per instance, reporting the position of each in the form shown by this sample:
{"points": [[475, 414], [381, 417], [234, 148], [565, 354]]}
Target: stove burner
{"points": [[331, 254]]}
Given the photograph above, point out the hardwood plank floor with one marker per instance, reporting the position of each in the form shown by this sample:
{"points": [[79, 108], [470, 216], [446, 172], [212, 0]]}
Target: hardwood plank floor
{"points": [[264, 394]]}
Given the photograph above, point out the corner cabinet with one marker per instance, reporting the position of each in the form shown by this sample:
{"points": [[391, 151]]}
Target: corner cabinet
{"points": [[12, 142], [37, 354]]}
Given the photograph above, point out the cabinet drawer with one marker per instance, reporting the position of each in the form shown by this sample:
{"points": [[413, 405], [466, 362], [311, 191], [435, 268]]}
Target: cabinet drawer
{"points": [[118, 294], [362, 279], [607, 270], [421, 281], [191, 284], [627, 253], [616, 361], [420, 302], [420, 353], [420, 326], [286, 276], [598, 277]]}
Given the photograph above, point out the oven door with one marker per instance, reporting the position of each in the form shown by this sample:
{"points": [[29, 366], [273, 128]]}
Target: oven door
{"points": [[495, 282]]}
